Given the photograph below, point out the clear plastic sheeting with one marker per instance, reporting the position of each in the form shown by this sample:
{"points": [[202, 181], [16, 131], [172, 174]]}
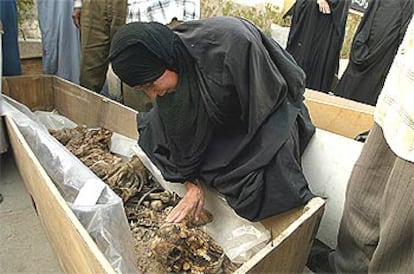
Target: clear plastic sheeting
{"points": [[99, 209], [53, 120]]}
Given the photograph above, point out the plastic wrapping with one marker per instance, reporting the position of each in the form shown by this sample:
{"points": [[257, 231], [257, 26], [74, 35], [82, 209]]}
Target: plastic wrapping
{"points": [[99, 210], [53, 120]]}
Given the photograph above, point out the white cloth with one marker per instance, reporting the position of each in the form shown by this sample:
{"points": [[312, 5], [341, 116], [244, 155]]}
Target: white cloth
{"points": [[162, 11], [395, 107], [77, 3]]}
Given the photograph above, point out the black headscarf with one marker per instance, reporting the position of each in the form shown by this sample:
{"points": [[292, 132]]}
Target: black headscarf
{"points": [[139, 59], [181, 115], [136, 65]]}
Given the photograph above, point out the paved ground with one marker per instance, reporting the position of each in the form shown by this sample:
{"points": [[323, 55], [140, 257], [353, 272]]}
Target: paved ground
{"points": [[24, 247]]}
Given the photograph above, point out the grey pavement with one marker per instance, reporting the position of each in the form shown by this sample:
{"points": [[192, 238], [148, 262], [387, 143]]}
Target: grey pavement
{"points": [[24, 247]]}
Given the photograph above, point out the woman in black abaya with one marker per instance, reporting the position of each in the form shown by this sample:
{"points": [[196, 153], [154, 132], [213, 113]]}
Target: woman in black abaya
{"points": [[374, 47], [229, 112], [315, 39]]}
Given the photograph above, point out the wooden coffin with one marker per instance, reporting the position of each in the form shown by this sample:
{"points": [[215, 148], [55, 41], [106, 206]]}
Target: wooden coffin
{"points": [[292, 232]]}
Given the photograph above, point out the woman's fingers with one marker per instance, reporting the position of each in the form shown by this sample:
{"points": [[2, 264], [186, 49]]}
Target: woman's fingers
{"points": [[178, 213], [192, 201]]}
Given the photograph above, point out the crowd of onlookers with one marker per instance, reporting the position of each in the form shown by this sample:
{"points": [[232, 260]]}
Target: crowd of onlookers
{"points": [[376, 231]]}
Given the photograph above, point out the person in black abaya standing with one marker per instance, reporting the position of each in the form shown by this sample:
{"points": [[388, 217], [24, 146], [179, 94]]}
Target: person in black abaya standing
{"points": [[10, 46], [374, 47], [228, 112], [315, 39]]}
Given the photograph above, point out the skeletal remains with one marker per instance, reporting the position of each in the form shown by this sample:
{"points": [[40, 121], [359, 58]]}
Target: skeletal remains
{"points": [[160, 246]]}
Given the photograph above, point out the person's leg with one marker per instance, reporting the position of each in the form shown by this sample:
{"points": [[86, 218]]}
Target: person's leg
{"points": [[46, 11], [359, 229], [68, 38], [395, 250], [10, 53], [95, 41], [117, 10]]}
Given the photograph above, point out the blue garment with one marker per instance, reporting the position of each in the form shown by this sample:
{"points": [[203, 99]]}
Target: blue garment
{"points": [[11, 56], [60, 39]]}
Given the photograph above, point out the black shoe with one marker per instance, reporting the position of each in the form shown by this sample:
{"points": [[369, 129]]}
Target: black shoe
{"points": [[318, 260]]}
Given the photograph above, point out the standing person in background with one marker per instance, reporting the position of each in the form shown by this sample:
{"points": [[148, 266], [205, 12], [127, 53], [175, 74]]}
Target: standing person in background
{"points": [[167, 12], [11, 56], [60, 39], [315, 39], [98, 20], [373, 49]]}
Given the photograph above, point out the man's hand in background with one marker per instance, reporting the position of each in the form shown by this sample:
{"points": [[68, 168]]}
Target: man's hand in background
{"points": [[324, 6], [76, 14]]}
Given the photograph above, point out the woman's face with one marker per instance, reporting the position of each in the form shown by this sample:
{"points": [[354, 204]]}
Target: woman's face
{"points": [[164, 84]]}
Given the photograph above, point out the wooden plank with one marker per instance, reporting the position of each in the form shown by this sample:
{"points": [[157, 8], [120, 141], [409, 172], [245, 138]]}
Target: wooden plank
{"points": [[75, 249], [289, 250], [31, 66], [339, 115], [86, 107], [34, 91], [287, 5], [280, 222]]}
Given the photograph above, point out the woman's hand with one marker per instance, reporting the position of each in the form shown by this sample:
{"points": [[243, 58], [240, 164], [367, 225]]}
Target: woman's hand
{"points": [[324, 6], [191, 203]]}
